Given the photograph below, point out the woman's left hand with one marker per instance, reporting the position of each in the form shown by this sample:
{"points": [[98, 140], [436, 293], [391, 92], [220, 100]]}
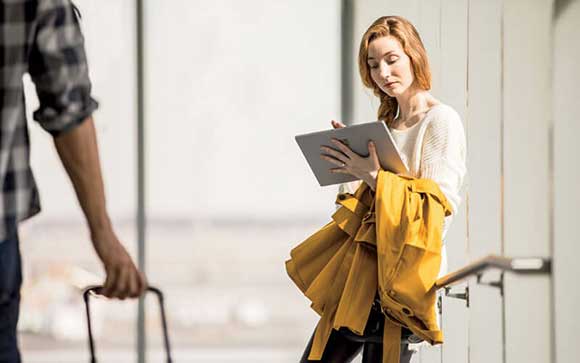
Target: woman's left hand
{"points": [[349, 162]]}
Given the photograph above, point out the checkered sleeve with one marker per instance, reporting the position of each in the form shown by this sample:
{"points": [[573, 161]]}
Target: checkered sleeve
{"points": [[58, 67]]}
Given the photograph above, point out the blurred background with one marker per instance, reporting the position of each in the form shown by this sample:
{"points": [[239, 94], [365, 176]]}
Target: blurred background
{"points": [[227, 84]]}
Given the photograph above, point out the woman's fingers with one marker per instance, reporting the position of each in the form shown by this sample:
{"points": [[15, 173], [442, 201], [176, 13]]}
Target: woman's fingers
{"points": [[373, 154], [334, 153], [339, 171], [337, 124], [340, 163], [345, 149]]}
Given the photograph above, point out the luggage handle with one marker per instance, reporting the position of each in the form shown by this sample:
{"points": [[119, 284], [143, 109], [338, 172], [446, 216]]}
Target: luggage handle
{"points": [[95, 290]]}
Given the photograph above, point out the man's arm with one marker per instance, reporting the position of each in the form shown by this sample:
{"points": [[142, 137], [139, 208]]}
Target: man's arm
{"points": [[58, 67], [79, 154]]}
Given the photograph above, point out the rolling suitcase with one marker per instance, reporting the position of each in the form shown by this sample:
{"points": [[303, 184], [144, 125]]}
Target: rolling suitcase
{"points": [[94, 290]]}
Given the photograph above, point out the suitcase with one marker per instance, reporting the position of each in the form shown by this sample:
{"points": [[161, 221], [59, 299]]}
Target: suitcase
{"points": [[94, 290]]}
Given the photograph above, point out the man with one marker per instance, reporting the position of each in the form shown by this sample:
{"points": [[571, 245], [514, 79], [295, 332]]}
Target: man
{"points": [[43, 38]]}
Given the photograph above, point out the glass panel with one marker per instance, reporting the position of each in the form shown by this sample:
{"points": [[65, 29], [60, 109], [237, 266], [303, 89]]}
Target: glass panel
{"points": [[230, 84]]}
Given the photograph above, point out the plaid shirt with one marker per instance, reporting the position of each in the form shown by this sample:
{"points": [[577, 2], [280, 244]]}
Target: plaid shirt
{"points": [[43, 38]]}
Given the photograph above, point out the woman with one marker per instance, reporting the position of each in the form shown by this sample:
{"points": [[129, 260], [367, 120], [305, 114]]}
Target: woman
{"points": [[429, 136]]}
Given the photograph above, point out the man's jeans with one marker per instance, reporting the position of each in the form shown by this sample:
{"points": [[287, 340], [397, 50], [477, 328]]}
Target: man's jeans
{"points": [[10, 281]]}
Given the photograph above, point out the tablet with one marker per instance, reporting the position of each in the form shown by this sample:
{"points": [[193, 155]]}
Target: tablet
{"points": [[357, 138]]}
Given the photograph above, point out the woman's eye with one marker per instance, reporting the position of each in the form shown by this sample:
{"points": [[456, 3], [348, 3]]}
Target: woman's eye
{"points": [[373, 66], [392, 60]]}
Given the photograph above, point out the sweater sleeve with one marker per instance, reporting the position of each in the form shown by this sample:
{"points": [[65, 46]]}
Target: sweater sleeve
{"points": [[443, 154]]}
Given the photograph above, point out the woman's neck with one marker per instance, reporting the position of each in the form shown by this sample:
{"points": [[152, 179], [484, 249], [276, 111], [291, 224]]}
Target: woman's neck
{"points": [[412, 102]]}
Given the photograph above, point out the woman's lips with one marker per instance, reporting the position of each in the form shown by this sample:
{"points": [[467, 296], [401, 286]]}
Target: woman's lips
{"points": [[390, 84]]}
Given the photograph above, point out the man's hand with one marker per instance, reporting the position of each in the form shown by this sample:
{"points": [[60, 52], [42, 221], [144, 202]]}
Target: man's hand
{"points": [[123, 278]]}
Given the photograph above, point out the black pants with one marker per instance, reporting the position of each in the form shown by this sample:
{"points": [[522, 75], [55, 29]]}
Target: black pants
{"points": [[340, 349], [10, 282], [343, 346]]}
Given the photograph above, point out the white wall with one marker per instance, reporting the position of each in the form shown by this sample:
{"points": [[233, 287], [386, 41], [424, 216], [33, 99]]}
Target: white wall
{"points": [[484, 138], [487, 67], [527, 117], [566, 179]]}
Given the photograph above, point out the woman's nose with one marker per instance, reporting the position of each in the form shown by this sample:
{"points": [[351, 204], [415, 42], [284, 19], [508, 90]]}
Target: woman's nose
{"points": [[385, 70]]}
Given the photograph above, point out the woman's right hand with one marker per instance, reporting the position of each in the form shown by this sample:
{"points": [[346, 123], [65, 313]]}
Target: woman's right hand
{"points": [[337, 124]]}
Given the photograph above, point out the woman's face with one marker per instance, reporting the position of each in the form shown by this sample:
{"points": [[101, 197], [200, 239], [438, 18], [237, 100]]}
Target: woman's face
{"points": [[390, 66]]}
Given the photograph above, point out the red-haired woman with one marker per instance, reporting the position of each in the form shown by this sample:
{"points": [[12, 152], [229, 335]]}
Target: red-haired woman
{"points": [[429, 135]]}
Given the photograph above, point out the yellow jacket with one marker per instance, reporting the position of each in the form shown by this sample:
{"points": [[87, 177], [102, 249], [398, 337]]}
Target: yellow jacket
{"points": [[388, 241]]}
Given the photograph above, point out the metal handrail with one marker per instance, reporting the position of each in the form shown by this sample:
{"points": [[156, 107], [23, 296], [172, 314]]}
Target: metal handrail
{"points": [[527, 265]]}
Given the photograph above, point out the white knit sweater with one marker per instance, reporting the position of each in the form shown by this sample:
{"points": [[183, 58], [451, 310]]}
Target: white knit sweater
{"points": [[434, 148]]}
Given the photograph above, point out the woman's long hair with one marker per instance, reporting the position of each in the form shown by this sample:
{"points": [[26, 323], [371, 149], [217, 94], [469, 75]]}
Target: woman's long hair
{"points": [[401, 29]]}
